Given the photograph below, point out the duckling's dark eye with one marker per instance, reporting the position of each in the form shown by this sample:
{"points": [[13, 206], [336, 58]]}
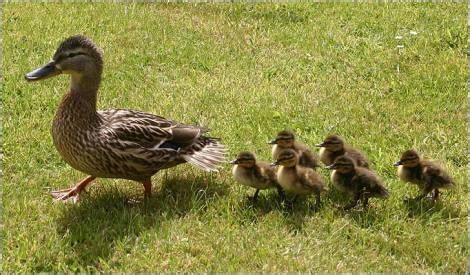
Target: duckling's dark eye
{"points": [[74, 54]]}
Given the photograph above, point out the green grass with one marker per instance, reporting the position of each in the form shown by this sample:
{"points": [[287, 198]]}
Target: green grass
{"points": [[245, 71]]}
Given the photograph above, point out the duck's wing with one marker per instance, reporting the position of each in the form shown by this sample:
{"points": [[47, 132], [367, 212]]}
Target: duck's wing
{"points": [[307, 157], [158, 137], [367, 181], [312, 180], [357, 156], [435, 176]]}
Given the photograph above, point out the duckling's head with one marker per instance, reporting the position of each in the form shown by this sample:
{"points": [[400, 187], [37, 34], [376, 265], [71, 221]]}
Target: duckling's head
{"points": [[343, 164], [287, 158], [77, 55], [284, 139], [245, 159], [332, 143], [409, 158]]}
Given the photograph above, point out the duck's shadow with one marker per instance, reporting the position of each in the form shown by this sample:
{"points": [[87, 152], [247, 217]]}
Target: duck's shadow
{"points": [[294, 213], [92, 228], [426, 209]]}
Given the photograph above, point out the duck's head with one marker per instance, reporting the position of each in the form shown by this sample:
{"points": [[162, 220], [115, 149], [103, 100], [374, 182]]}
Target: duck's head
{"points": [[245, 159], [287, 158], [284, 139], [332, 143], [343, 164], [409, 158], [77, 56]]}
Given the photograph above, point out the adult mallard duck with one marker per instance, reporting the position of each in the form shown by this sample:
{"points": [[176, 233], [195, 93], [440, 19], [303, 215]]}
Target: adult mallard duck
{"points": [[427, 174], [115, 143], [254, 173]]}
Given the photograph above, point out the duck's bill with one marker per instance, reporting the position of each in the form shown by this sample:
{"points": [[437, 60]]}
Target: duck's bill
{"points": [[320, 145], [274, 163], [274, 141], [46, 71], [330, 167], [235, 161], [398, 163]]}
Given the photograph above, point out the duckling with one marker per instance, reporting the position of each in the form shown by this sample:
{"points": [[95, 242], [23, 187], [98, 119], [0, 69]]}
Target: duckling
{"points": [[115, 143], [428, 175], [297, 179], [257, 174], [286, 140], [334, 146], [358, 182]]}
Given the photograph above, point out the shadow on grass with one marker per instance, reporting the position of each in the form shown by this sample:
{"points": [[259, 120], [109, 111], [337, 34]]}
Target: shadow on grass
{"points": [[97, 224], [427, 209]]}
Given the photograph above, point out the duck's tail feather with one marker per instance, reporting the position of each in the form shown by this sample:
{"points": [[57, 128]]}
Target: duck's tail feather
{"points": [[207, 154]]}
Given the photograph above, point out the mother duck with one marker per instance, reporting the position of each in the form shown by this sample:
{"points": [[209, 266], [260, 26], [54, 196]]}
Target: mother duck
{"points": [[115, 143]]}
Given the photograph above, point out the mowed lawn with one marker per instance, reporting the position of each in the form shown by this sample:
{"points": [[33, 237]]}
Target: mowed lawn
{"points": [[246, 72]]}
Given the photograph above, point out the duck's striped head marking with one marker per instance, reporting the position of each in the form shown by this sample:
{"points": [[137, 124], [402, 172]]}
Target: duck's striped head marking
{"points": [[75, 55], [332, 143], [245, 159], [284, 139], [343, 164], [409, 158]]}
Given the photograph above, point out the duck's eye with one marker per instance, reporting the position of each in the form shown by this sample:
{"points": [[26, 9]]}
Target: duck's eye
{"points": [[74, 54]]}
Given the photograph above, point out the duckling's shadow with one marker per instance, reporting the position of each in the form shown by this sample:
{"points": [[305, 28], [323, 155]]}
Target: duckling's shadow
{"points": [[426, 208], [295, 212], [92, 228], [363, 217]]}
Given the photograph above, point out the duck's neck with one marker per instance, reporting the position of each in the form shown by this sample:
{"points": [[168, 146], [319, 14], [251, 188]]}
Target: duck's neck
{"points": [[85, 87]]}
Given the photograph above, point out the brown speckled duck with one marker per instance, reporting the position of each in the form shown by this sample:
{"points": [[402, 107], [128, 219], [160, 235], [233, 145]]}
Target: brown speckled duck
{"points": [[296, 179], [428, 175], [359, 182], [254, 173], [286, 140], [334, 146], [115, 143]]}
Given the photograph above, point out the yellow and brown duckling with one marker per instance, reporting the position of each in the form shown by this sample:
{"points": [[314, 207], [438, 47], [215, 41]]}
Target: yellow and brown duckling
{"points": [[334, 146], [428, 175], [296, 179], [286, 140], [115, 143], [257, 174], [360, 183]]}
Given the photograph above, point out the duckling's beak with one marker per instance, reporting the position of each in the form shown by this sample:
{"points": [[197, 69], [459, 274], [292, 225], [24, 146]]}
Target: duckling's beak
{"points": [[46, 71], [272, 142], [398, 163], [330, 167], [276, 163], [235, 161], [320, 144]]}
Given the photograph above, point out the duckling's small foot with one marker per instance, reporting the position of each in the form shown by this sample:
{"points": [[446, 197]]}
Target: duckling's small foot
{"points": [[72, 194], [348, 206], [255, 196], [435, 195], [282, 194]]}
